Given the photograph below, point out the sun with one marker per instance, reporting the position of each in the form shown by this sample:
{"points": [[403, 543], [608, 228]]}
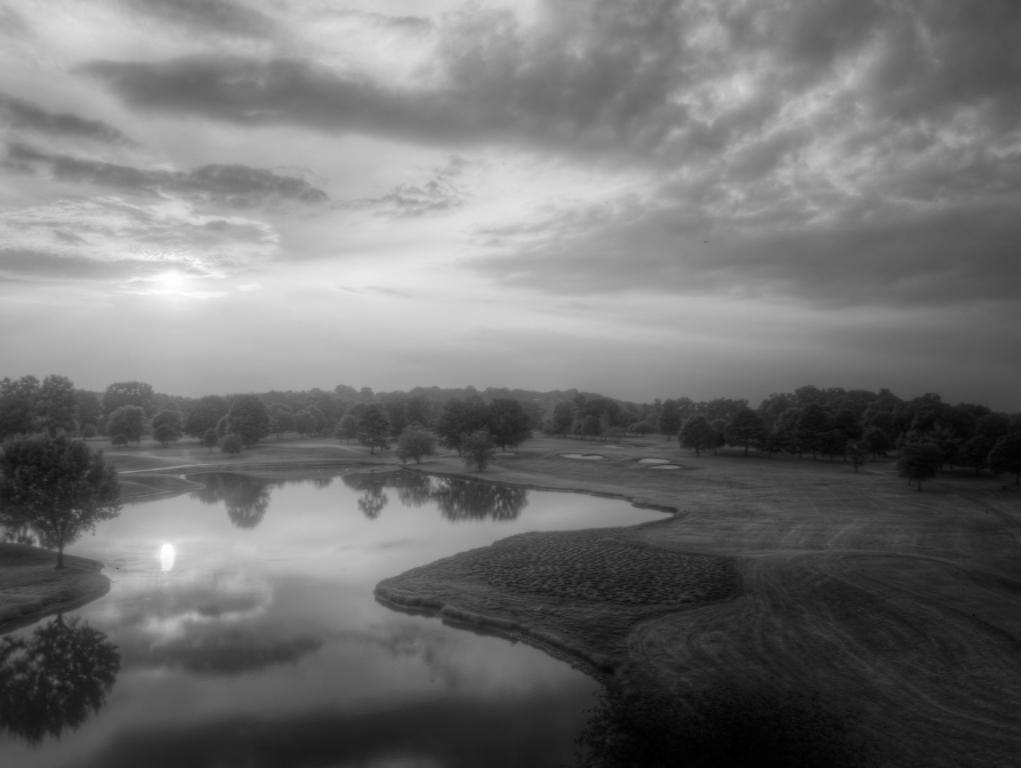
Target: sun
{"points": [[170, 283]]}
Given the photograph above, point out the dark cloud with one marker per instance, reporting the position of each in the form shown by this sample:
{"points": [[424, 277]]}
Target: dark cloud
{"points": [[237, 186], [209, 16], [18, 113], [937, 257]]}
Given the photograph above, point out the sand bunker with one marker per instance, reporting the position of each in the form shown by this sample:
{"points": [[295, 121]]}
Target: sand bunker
{"points": [[665, 466], [582, 456], [651, 460]]}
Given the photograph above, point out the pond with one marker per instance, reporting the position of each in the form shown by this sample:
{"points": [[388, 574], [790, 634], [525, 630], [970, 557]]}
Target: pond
{"points": [[241, 629]]}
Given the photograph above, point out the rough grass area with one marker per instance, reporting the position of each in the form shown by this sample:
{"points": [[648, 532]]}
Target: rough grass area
{"points": [[893, 615], [31, 587]]}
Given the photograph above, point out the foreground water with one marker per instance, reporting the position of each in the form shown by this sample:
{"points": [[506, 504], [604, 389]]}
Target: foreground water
{"points": [[241, 630]]}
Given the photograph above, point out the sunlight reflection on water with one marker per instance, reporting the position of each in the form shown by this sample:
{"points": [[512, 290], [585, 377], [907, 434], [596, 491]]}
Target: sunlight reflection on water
{"points": [[167, 556]]}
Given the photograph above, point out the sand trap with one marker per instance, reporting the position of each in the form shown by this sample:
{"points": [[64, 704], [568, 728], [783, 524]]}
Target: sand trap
{"points": [[582, 456], [665, 466], [650, 460]]}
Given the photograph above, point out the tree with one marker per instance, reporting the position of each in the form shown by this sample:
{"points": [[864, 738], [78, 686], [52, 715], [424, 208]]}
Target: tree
{"points": [[58, 487], [415, 442], [347, 427], [281, 419], [918, 462], [460, 418], [562, 420], [232, 443], [1005, 456], [373, 430], [17, 406], [204, 414], [975, 452], [166, 426], [210, 438], [877, 441], [813, 422], [697, 434], [670, 418], [857, 452], [57, 406], [55, 678], [508, 423], [128, 393], [129, 421], [248, 419], [477, 449], [745, 428], [90, 411]]}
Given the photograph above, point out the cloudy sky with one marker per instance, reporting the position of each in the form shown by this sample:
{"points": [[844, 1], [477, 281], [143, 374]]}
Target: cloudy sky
{"points": [[639, 197]]}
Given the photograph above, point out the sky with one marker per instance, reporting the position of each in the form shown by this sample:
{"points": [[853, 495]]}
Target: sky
{"points": [[642, 198]]}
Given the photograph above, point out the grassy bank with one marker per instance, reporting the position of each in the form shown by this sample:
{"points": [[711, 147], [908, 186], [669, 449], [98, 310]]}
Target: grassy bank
{"points": [[803, 586]]}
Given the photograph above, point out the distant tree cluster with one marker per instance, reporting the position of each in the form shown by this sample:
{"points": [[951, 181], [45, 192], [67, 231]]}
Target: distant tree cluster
{"points": [[832, 424]]}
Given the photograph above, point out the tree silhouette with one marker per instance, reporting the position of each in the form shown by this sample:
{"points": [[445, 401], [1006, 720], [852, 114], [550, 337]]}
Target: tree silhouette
{"points": [[461, 500], [245, 497], [54, 679], [58, 487], [373, 498]]}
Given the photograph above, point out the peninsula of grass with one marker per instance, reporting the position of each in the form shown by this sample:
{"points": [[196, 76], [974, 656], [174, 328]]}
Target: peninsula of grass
{"points": [[785, 602]]}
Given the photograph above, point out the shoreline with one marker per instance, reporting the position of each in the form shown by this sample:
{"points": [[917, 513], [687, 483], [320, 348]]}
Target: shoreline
{"points": [[799, 585], [31, 588]]}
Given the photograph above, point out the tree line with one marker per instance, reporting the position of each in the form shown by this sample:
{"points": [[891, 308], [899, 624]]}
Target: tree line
{"points": [[832, 424]]}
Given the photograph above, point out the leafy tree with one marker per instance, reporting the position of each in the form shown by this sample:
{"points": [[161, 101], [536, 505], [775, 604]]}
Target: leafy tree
{"points": [[129, 421], [974, 453], [858, 453], [248, 418], [304, 423], [57, 406], [460, 418], [17, 406], [745, 428], [123, 393], [562, 420], [166, 426], [373, 430], [210, 438], [232, 443], [992, 425], [90, 411], [55, 678], [245, 497], [477, 449], [281, 419], [813, 422], [785, 434], [58, 487], [918, 462], [204, 414], [119, 439], [877, 441], [1005, 456], [670, 418], [347, 427], [833, 442], [415, 442], [508, 423], [698, 435]]}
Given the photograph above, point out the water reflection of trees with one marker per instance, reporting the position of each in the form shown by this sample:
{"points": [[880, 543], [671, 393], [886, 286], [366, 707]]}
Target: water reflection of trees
{"points": [[373, 499], [246, 497], [458, 500], [55, 678]]}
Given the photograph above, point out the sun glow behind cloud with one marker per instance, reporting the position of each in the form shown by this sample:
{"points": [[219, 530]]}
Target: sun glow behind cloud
{"points": [[525, 188]]}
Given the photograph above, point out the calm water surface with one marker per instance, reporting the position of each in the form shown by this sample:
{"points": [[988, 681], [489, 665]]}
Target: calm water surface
{"points": [[247, 634]]}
